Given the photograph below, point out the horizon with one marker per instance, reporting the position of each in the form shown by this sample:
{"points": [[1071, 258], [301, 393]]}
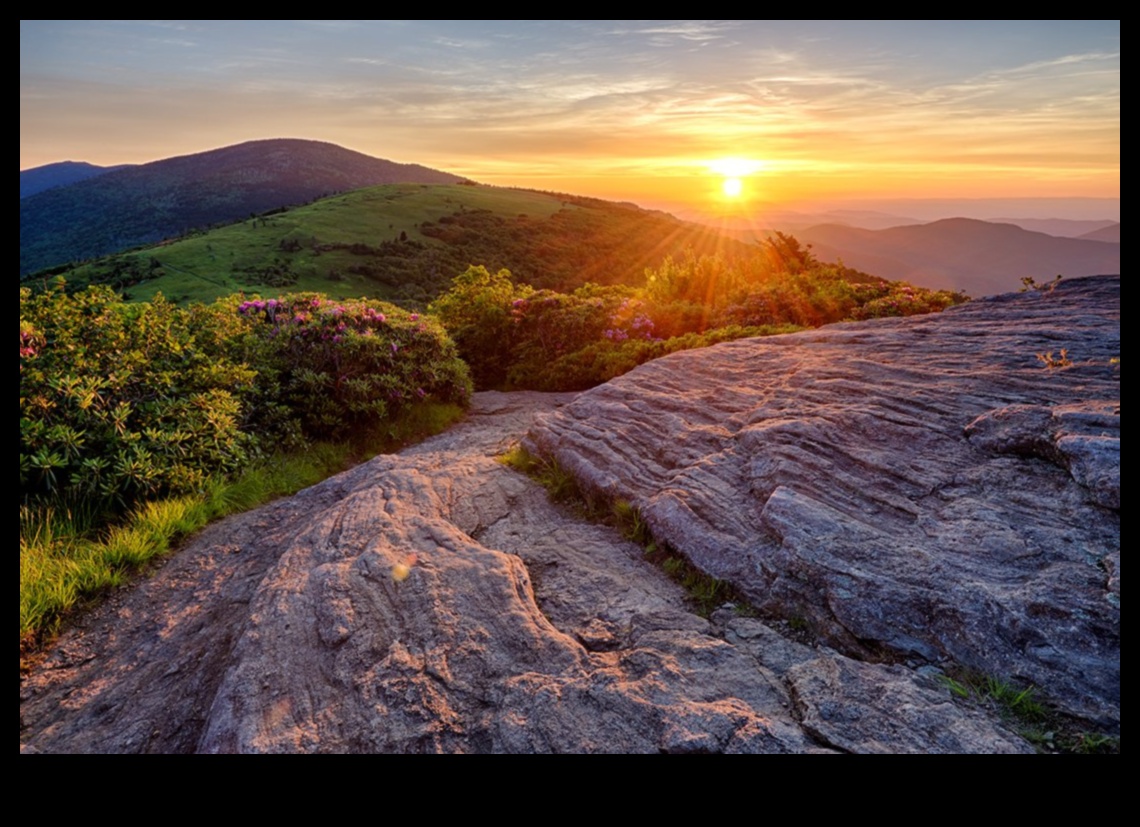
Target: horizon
{"points": [[721, 117]]}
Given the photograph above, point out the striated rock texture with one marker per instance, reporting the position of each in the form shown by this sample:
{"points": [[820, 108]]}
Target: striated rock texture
{"points": [[922, 487], [435, 601]]}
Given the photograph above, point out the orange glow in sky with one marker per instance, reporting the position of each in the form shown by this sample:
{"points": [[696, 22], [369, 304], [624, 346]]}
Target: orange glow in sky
{"points": [[661, 112]]}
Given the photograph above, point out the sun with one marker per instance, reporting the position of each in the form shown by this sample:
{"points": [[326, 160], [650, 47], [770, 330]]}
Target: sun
{"points": [[734, 171]]}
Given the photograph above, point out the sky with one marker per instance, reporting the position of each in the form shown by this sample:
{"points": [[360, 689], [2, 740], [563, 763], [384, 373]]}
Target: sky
{"points": [[662, 113]]}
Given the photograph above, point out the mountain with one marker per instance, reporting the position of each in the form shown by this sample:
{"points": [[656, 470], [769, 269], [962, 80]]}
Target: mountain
{"points": [[150, 202], [406, 242], [977, 257], [1064, 227], [38, 179], [1109, 233]]}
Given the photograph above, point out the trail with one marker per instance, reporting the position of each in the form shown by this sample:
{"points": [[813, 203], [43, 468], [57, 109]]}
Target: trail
{"points": [[518, 628]]}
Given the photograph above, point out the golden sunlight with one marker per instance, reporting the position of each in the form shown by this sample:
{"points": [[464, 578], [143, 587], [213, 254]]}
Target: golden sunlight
{"points": [[735, 167], [734, 170]]}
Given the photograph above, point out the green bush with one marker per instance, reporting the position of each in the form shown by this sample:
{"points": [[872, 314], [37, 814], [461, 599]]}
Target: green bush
{"points": [[479, 314], [603, 360], [514, 336], [327, 367], [121, 401]]}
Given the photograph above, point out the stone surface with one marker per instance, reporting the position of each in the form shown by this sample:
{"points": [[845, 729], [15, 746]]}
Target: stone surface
{"points": [[924, 488], [435, 601]]}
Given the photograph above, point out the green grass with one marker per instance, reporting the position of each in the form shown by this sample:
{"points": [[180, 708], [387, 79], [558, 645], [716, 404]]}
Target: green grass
{"points": [[1018, 703], [1047, 730], [67, 557], [404, 243], [560, 485], [207, 266]]}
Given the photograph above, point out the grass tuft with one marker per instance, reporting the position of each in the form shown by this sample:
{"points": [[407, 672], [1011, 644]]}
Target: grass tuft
{"points": [[1048, 731]]}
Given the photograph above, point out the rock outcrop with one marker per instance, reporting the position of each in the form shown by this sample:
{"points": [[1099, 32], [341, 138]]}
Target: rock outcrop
{"points": [[937, 489], [436, 601], [919, 492]]}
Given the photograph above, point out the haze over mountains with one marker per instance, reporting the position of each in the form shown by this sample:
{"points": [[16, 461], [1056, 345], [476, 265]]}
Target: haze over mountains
{"points": [[979, 257], [90, 211]]}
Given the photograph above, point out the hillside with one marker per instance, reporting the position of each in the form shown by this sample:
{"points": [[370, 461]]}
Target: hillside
{"points": [[38, 179], [147, 203], [977, 257], [406, 242]]}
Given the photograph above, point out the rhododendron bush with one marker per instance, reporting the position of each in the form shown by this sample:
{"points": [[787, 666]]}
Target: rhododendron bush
{"points": [[122, 401], [330, 366]]}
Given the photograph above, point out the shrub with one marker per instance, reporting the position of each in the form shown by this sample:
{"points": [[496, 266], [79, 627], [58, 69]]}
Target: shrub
{"points": [[478, 312], [517, 337], [122, 401], [327, 367]]}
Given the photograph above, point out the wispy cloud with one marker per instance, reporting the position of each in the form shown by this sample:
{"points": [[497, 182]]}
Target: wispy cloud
{"points": [[590, 99]]}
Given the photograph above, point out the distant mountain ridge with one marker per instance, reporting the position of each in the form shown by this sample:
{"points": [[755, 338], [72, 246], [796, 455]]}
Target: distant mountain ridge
{"points": [[150, 202], [1109, 233], [978, 257], [38, 179], [1063, 227]]}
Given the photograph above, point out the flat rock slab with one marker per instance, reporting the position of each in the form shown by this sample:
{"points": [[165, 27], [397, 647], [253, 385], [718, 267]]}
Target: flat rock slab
{"points": [[941, 488], [435, 601]]}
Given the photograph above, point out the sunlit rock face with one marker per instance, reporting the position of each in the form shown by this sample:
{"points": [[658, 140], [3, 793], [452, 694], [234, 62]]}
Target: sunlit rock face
{"points": [[436, 601], [941, 488]]}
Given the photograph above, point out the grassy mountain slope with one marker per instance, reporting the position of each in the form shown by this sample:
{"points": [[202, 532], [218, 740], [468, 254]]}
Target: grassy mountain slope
{"points": [[406, 242], [147, 203]]}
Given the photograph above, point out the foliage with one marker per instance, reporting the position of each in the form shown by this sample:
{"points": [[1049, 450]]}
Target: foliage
{"points": [[1050, 361], [477, 313], [558, 482], [125, 401], [1047, 730], [517, 337], [120, 402], [404, 243], [1029, 283], [605, 359], [330, 367]]}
